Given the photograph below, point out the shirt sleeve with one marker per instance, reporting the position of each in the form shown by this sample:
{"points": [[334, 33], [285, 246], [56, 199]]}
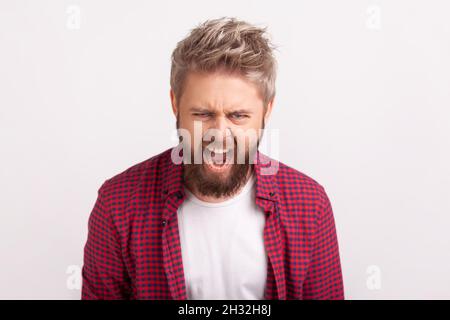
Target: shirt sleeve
{"points": [[324, 277], [104, 274]]}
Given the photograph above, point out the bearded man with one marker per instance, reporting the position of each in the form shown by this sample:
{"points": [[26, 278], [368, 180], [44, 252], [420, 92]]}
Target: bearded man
{"points": [[214, 218]]}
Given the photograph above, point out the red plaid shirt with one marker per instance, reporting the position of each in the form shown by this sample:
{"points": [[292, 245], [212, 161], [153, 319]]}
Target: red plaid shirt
{"points": [[133, 248]]}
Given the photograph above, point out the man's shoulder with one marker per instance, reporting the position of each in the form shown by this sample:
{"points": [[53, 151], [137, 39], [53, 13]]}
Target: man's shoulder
{"points": [[144, 172], [296, 185], [288, 174], [301, 193]]}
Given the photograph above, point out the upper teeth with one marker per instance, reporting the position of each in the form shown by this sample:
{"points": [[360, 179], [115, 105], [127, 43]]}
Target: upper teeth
{"points": [[218, 150]]}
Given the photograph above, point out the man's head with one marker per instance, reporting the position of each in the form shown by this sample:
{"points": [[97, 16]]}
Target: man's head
{"points": [[222, 78]]}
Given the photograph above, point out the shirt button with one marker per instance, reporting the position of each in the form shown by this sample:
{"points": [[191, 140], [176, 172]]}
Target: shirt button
{"points": [[272, 194], [164, 222]]}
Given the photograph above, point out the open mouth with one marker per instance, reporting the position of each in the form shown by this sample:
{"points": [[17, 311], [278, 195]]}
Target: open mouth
{"points": [[219, 160]]}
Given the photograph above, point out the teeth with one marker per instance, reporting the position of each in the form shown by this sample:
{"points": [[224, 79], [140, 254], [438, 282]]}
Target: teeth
{"points": [[217, 150]]}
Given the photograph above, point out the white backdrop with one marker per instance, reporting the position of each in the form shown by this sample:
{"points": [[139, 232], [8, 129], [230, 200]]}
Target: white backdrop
{"points": [[362, 107]]}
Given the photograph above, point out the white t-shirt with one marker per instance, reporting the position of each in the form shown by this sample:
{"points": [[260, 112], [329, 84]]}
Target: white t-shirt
{"points": [[222, 247]]}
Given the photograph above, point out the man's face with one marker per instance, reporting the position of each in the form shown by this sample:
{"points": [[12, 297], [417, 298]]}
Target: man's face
{"points": [[230, 114]]}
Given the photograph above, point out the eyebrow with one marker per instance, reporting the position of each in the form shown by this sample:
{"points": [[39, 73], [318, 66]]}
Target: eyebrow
{"points": [[199, 109], [240, 111], [203, 109]]}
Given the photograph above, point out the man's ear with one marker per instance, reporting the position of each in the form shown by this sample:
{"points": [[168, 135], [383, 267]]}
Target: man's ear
{"points": [[173, 100], [269, 109]]}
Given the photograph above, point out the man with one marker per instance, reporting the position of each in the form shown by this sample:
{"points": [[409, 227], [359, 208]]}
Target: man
{"points": [[213, 218]]}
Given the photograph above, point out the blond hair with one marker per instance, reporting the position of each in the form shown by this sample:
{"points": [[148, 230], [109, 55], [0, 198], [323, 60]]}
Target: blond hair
{"points": [[230, 45]]}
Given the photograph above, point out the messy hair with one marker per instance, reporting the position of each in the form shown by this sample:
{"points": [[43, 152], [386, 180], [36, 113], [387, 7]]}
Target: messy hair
{"points": [[230, 45]]}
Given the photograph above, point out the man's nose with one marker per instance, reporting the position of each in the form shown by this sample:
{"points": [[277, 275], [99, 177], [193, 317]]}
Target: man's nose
{"points": [[222, 128], [221, 123], [219, 132]]}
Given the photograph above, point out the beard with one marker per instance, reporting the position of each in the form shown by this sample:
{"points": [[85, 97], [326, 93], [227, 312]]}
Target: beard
{"points": [[223, 184], [197, 177]]}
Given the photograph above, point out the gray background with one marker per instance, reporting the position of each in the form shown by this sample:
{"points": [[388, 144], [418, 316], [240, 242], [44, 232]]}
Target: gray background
{"points": [[362, 106]]}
